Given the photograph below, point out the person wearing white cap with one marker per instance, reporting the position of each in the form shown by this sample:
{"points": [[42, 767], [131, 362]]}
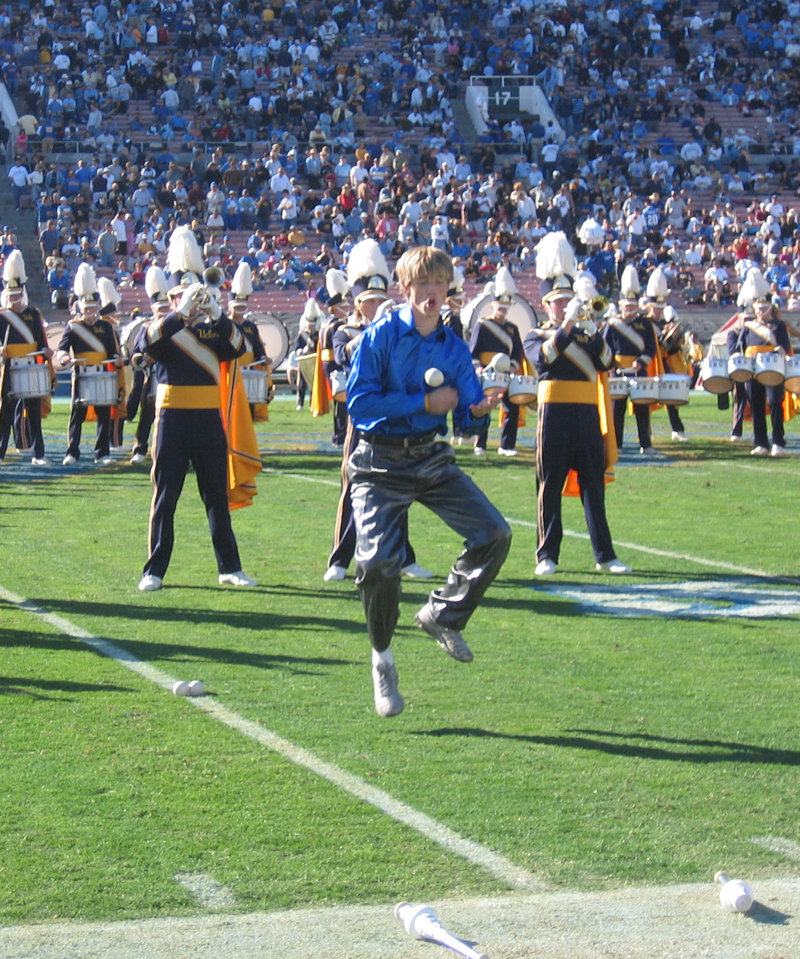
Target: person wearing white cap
{"points": [[575, 443], [21, 335], [94, 347], [764, 332], [241, 291], [110, 301], [338, 308], [668, 337]]}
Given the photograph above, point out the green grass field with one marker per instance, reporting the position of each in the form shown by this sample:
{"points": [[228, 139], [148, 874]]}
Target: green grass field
{"points": [[592, 749]]}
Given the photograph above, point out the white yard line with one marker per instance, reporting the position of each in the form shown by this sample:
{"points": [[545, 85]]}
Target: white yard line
{"points": [[784, 847], [209, 893], [502, 868]]}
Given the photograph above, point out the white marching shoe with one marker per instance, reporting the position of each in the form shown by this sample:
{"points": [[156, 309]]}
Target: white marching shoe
{"points": [[680, 436], [236, 579], [479, 451], [334, 574], [137, 458], [545, 567], [148, 583], [388, 699], [507, 452], [777, 450], [759, 451], [415, 571], [40, 461], [69, 460], [613, 566]]}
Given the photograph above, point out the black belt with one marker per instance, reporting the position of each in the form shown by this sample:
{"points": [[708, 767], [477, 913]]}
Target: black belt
{"points": [[402, 442]]}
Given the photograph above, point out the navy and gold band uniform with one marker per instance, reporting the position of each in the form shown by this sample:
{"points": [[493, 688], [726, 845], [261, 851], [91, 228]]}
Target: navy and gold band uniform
{"points": [[22, 333], [633, 343], [488, 338], [669, 341], [345, 338], [329, 364], [763, 336], [189, 431], [570, 433], [255, 353], [95, 342]]}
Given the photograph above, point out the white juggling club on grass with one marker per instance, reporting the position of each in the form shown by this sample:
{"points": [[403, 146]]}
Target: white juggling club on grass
{"points": [[422, 923], [735, 895]]}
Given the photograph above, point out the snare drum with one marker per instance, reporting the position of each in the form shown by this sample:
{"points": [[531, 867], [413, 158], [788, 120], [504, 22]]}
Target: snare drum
{"points": [[339, 385], [741, 368], [522, 389], [97, 389], [28, 379], [792, 372], [673, 388], [618, 387], [770, 369], [494, 382], [256, 385], [644, 390], [714, 374]]}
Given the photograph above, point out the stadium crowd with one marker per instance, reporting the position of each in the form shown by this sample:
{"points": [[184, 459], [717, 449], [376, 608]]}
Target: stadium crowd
{"points": [[343, 113]]}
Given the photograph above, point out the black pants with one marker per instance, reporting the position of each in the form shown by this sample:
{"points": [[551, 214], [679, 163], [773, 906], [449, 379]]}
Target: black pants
{"points": [[385, 481], [77, 416], [142, 401], [344, 530], [183, 438], [675, 421], [739, 404], [508, 433], [642, 413], [339, 422], [758, 396], [26, 417], [569, 437]]}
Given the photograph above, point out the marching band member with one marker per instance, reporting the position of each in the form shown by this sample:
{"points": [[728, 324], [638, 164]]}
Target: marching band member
{"points": [[109, 310], [399, 459], [94, 347], [764, 332], [575, 431], [368, 278], [737, 321], [339, 309], [21, 334], [668, 337], [307, 340], [497, 334], [632, 339], [142, 396], [241, 291], [187, 346]]}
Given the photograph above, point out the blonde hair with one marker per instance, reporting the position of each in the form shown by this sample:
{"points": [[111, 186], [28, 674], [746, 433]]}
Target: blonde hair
{"points": [[424, 263]]}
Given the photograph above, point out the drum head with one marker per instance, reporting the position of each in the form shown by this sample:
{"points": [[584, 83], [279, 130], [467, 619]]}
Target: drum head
{"points": [[274, 336], [129, 332], [520, 312]]}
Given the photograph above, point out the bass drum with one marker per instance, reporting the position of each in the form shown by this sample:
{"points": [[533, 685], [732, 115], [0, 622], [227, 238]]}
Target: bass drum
{"points": [[274, 336], [520, 312]]}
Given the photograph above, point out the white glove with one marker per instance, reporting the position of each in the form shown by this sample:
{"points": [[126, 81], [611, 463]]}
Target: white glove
{"points": [[587, 325], [573, 310], [212, 308], [190, 300]]}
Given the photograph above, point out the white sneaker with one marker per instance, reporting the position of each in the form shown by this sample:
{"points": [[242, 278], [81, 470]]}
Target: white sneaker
{"points": [[118, 449], [333, 574], [148, 583], [299, 407], [613, 566], [647, 450], [504, 452], [759, 451], [736, 439], [479, 451], [680, 436], [415, 571], [104, 461], [137, 458], [388, 700], [69, 460], [40, 461], [777, 450], [545, 567], [236, 579]]}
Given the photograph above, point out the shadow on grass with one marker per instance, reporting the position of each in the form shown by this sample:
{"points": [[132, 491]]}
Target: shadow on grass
{"points": [[725, 752], [174, 652], [758, 912], [36, 688]]}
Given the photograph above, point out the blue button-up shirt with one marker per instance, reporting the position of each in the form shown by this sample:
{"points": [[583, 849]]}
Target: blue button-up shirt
{"points": [[386, 386]]}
